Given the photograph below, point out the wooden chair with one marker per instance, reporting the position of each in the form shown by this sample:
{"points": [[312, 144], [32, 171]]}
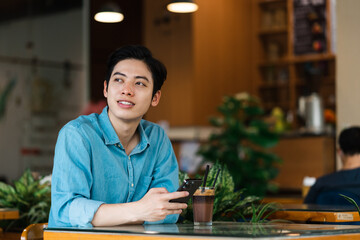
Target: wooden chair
{"points": [[34, 231]]}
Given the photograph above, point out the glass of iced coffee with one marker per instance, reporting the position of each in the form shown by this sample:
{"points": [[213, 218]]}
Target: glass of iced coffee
{"points": [[203, 202]]}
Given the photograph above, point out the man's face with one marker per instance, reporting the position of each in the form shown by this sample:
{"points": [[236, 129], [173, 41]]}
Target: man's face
{"points": [[129, 93]]}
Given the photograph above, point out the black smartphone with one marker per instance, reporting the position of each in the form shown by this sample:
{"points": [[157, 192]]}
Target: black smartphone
{"points": [[189, 185]]}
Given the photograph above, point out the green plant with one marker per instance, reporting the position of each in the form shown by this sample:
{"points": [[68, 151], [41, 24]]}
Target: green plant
{"points": [[261, 212], [30, 197], [241, 144], [229, 205], [352, 201]]}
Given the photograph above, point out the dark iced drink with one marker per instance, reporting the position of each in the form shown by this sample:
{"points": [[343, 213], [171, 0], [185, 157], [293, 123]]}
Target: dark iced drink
{"points": [[203, 202]]}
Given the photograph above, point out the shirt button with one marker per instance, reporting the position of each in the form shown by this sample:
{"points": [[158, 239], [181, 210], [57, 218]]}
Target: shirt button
{"points": [[129, 158], [132, 185]]}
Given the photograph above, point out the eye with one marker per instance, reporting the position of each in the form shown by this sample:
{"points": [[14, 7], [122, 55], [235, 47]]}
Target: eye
{"points": [[118, 80], [140, 84]]}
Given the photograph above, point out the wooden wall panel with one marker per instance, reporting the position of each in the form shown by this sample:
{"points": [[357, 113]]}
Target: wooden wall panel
{"points": [[256, 51], [307, 156], [169, 37], [207, 53], [222, 53]]}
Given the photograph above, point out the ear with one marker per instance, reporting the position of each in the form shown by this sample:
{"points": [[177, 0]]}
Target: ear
{"points": [[105, 89], [156, 99], [340, 153]]}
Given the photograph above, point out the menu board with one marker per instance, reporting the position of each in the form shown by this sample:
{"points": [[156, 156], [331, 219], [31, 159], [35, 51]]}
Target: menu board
{"points": [[309, 26]]}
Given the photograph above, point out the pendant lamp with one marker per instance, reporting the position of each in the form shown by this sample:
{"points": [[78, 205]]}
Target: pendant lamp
{"points": [[182, 6], [109, 13]]}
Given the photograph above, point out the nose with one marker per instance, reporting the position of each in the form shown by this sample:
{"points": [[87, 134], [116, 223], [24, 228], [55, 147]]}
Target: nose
{"points": [[127, 90]]}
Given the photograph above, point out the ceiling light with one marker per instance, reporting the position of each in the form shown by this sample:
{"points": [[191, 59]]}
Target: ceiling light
{"points": [[182, 6], [109, 13]]}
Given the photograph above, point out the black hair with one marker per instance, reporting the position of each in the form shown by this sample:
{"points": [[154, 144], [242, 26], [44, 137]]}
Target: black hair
{"points": [[157, 68], [349, 141]]}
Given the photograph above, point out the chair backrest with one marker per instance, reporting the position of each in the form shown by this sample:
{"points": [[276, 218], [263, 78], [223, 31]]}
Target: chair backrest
{"points": [[34, 231], [332, 197]]}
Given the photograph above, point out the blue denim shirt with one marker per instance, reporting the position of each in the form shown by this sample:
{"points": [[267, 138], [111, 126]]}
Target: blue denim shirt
{"points": [[92, 168]]}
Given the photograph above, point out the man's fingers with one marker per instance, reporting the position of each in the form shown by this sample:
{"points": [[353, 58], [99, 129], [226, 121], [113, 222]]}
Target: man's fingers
{"points": [[169, 196], [177, 211], [176, 195], [178, 206]]}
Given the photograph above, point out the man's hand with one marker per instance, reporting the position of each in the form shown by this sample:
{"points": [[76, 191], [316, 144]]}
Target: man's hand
{"points": [[155, 205]]}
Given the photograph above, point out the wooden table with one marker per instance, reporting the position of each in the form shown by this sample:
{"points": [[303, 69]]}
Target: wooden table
{"points": [[8, 213], [219, 230], [284, 200], [317, 213]]}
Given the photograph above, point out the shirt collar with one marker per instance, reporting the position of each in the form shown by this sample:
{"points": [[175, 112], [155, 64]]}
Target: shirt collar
{"points": [[144, 140], [111, 137], [108, 130]]}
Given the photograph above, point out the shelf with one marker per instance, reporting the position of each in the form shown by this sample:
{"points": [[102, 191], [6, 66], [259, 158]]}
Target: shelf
{"points": [[271, 1], [274, 38], [299, 59], [272, 31], [274, 85], [190, 133], [313, 57], [280, 62], [330, 105], [270, 105], [326, 82]]}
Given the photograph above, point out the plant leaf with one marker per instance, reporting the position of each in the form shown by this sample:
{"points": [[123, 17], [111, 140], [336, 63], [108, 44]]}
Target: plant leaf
{"points": [[29, 196], [352, 201]]}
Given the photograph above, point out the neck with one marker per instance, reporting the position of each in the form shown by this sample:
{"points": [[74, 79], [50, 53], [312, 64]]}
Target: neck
{"points": [[127, 134], [351, 162]]}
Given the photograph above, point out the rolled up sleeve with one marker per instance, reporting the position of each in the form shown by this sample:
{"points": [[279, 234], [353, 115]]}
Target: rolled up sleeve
{"points": [[71, 181], [82, 211]]}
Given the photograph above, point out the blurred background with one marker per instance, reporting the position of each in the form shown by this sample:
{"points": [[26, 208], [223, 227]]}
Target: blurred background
{"points": [[286, 52]]}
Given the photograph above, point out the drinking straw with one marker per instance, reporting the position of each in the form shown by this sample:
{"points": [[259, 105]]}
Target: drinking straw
{"points": [[217, 174], [205, 177]]}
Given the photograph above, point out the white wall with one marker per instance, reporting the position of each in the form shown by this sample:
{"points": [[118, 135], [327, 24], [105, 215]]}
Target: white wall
{"points": [[347, 64], [57, 37], [348, 60]]}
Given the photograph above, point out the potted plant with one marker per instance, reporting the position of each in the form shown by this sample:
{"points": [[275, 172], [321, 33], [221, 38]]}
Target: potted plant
{"points": [[230, 205], [30, 196], [241, 144]]}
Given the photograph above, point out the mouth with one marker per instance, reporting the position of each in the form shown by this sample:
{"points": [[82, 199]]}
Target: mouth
{"points": [[126, 103]]}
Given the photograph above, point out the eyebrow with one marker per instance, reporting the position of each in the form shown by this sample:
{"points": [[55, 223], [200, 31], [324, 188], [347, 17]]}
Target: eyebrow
{"points": [[137, 77]]}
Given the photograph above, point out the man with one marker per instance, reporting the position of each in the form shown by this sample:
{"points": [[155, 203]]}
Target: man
{"points": [[116, 168], [326, 189]]}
